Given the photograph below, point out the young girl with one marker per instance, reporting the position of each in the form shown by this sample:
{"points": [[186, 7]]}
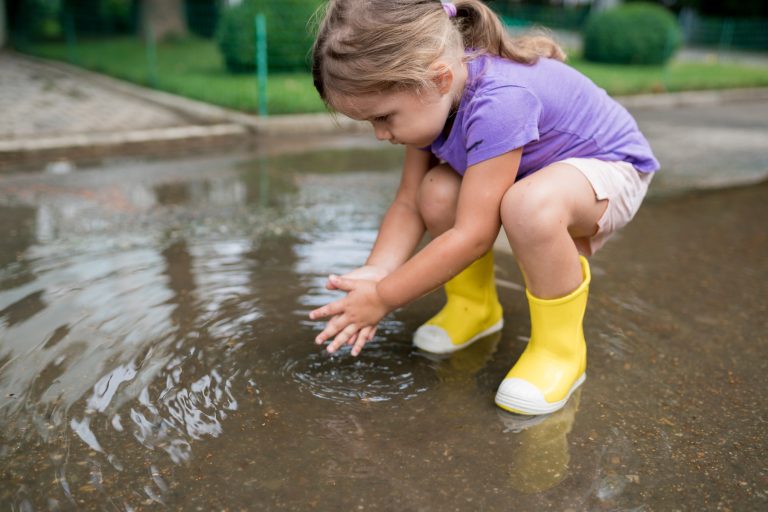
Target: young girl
{"points": [[498, 132]]}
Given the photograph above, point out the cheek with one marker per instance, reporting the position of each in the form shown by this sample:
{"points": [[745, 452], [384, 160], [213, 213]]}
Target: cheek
{"points": [[434, 123]]}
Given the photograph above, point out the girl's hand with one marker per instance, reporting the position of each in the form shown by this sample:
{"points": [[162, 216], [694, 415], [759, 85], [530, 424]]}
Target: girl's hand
{"points": [[366, 272], [354, 316]]}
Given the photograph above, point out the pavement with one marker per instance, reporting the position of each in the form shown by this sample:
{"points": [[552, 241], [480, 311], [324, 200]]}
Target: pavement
{"points": [[54, 114]]}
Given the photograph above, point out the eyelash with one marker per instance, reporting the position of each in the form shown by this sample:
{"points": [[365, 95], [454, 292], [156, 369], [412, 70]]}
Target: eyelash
{"points": [[381, 118]]}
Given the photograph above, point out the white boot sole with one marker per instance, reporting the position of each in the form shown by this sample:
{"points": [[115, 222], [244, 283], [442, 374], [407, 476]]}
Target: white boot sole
{"points": [[431, 338], [522, 397]]}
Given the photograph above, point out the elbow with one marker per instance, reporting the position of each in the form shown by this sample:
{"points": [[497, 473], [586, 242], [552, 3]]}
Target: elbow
{"points": [[482, 246], [477, 244]]}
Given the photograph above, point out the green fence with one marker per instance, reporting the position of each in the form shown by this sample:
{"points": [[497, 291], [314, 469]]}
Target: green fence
{"points": [[725, 33], [550, 16]]}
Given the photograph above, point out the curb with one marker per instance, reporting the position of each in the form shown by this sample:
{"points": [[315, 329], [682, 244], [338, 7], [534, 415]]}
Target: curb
{"points": [[160, 135], [34, 153], [692, 98]]}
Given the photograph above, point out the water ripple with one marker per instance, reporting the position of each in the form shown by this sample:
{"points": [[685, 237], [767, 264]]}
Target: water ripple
{"points": [[379, 374]]}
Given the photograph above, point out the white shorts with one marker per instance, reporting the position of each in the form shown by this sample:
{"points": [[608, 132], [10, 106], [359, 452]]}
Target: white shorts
{"points": [[622, 185]]}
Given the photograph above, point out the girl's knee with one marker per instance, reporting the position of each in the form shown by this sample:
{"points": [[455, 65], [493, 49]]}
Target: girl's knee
{"points": [[530, 212], [439, 194]]}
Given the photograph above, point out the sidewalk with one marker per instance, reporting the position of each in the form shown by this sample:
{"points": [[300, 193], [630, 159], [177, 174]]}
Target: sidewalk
{"points": [[52, 111]]}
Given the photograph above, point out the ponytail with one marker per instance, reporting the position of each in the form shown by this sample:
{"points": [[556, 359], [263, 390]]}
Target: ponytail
{"points": [[482, 31]]}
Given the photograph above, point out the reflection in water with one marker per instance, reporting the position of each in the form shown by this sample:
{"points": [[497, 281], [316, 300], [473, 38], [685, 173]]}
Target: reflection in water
{"points": [[462, 365], [540, 460], [23, 309], [17, 228], [175, 193], [539, 456], [136, 362], [123, 348], [155, 350], [116, 323]]}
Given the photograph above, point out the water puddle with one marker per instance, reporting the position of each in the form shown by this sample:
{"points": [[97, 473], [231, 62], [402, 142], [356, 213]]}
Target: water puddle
{"points": [[155, 351]]}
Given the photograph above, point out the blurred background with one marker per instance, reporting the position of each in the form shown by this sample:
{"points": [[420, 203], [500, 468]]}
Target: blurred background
{"points": [[211, 50]]}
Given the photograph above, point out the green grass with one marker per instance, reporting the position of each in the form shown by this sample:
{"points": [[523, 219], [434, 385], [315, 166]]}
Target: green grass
{"points": [[193, 68], [677, 76]]}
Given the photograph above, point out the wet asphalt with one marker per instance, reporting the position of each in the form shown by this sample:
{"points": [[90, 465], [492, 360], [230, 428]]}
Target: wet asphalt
{"points": [[155, 350]]}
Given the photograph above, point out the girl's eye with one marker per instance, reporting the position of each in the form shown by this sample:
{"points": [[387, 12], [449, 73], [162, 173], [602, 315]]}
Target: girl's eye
{"points": [[381, 119]]}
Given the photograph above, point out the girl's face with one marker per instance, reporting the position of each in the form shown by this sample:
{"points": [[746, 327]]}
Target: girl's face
{"points": [[402, 117]]}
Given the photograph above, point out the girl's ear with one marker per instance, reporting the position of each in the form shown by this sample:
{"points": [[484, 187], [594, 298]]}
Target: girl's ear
{"points": [[443, 76]]}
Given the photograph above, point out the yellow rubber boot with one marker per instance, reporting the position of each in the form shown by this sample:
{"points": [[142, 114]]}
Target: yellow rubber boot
{"points": [[471, 312], [554, 363]]}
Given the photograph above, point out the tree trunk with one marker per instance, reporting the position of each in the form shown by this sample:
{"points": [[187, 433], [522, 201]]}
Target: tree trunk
{"points": [[163, 18]]}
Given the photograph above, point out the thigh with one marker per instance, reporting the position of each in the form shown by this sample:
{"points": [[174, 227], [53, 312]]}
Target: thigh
{"points": [[559, 188]]}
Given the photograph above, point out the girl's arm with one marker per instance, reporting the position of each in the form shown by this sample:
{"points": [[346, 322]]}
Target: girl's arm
{"points": [[402, 226], [400, 232], [477, 225]]}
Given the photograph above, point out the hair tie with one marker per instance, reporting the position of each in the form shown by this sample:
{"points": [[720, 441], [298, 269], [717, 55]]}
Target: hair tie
{"points": [[449, 9]]}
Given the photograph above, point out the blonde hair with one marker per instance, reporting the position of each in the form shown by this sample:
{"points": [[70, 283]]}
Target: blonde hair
{"points": [[369, 46]]}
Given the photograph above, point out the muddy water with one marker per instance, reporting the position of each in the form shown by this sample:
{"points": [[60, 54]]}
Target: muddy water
{"points": [[155, 352]]}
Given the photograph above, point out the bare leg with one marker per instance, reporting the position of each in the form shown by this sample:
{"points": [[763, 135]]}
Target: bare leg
{"points": [[438, 199], [472, 309], [542, 214]]}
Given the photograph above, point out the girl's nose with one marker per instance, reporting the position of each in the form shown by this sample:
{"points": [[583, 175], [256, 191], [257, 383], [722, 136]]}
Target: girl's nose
{"points": [[381, 133]]}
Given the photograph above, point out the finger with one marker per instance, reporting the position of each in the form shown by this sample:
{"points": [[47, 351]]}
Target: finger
{"points": [[329, 283], [373, 332], [342, 283], [367, 332], [341, 338], [336, 324], [362, 339], [359, 334], [334, 308]]}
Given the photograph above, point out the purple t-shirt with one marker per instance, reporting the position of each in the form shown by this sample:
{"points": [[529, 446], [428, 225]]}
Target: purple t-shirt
{"points": [[550, 109]]}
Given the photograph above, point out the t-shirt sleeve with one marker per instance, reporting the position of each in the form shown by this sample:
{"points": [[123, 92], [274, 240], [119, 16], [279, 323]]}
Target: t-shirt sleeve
{"points": [[501, 120]]}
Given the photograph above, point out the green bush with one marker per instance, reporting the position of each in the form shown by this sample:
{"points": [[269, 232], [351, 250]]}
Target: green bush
{"points": [[39, 20], [202, 16], [101, 17], [288, 37], [636, 33]]}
